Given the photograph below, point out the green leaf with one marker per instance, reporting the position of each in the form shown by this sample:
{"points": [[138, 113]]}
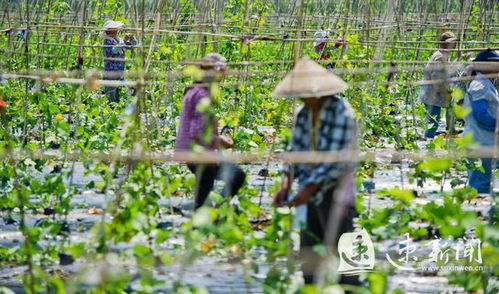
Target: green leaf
{"points": [[457, 94], [193, 72], [403, 194], [77, 249], [377, 283], [204, 217], [215, 92], [436, 165], [53, 109], [461, 112], [161, 236], [465, 141], [204, 105], [141, 250]]}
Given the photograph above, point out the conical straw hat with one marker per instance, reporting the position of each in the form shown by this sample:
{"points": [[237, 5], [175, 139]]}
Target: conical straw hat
{"points": [[307, 80]]}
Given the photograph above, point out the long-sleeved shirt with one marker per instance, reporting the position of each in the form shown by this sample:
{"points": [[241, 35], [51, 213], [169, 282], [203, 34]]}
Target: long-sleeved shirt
{"points": [[481, 89], [193, 123], [336, 131], [436, 69], [480, 112], [114, 57], [324, 51]]}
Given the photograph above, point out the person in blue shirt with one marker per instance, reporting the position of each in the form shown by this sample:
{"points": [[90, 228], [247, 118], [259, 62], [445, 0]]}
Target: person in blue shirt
{"points": [[483, 99], [114, 55]]}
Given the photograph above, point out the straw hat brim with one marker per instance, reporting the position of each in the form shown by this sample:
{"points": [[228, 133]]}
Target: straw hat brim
{"points": [[200, 63], [450, 40], [309, 80]]}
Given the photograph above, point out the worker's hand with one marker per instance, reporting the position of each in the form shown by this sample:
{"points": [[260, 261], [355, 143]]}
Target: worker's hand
{"points": [[127, 37], [339, 42], [304, 196], [280, 196], [226, 142]]}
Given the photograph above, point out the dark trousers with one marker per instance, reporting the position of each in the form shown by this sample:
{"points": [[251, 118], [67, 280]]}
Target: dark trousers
{"points": [[315, 233], [206, 175], [481, 181], [112, 93], [433, 117]]}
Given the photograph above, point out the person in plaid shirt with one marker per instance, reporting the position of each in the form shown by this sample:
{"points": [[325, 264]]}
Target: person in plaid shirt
{"points": [[324, 123]]}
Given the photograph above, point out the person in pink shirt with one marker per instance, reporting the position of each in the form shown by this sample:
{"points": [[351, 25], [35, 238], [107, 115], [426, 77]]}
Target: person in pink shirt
{"points": [[201, 129]]}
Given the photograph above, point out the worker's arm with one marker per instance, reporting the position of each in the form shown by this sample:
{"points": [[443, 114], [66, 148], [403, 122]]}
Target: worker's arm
{"points": [[287, 179], [118, 49], [111, 49], [127, 43], [305, 194], [484, 119], [283, 192], [479, 96], [290, 171]]}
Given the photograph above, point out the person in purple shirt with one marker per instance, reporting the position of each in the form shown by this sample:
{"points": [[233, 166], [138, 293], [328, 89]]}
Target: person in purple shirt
{"points": [[201, 129]]}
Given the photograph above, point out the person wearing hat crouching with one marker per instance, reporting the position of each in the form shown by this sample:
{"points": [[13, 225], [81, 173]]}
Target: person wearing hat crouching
{"points": [[114, 55], [326, 122], [322, 49], [483, 100], [438, 96], [199, 130]]}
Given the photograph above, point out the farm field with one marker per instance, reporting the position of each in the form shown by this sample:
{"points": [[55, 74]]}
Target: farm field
{"points": [[96, 196]]}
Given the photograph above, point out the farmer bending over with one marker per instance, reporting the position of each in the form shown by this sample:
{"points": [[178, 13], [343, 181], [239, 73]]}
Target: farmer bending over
{"points": [[201, 129], [325, 123], [114, 55], [321, 46]]}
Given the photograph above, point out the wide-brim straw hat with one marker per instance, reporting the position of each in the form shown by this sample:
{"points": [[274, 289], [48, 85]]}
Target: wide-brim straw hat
{"points": [[448, 37], [309, 80], [213, 62]]}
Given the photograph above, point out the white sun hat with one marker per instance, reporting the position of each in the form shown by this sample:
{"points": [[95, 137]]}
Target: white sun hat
{"points": [[320, 37], [111, 25], [309, 80]]}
